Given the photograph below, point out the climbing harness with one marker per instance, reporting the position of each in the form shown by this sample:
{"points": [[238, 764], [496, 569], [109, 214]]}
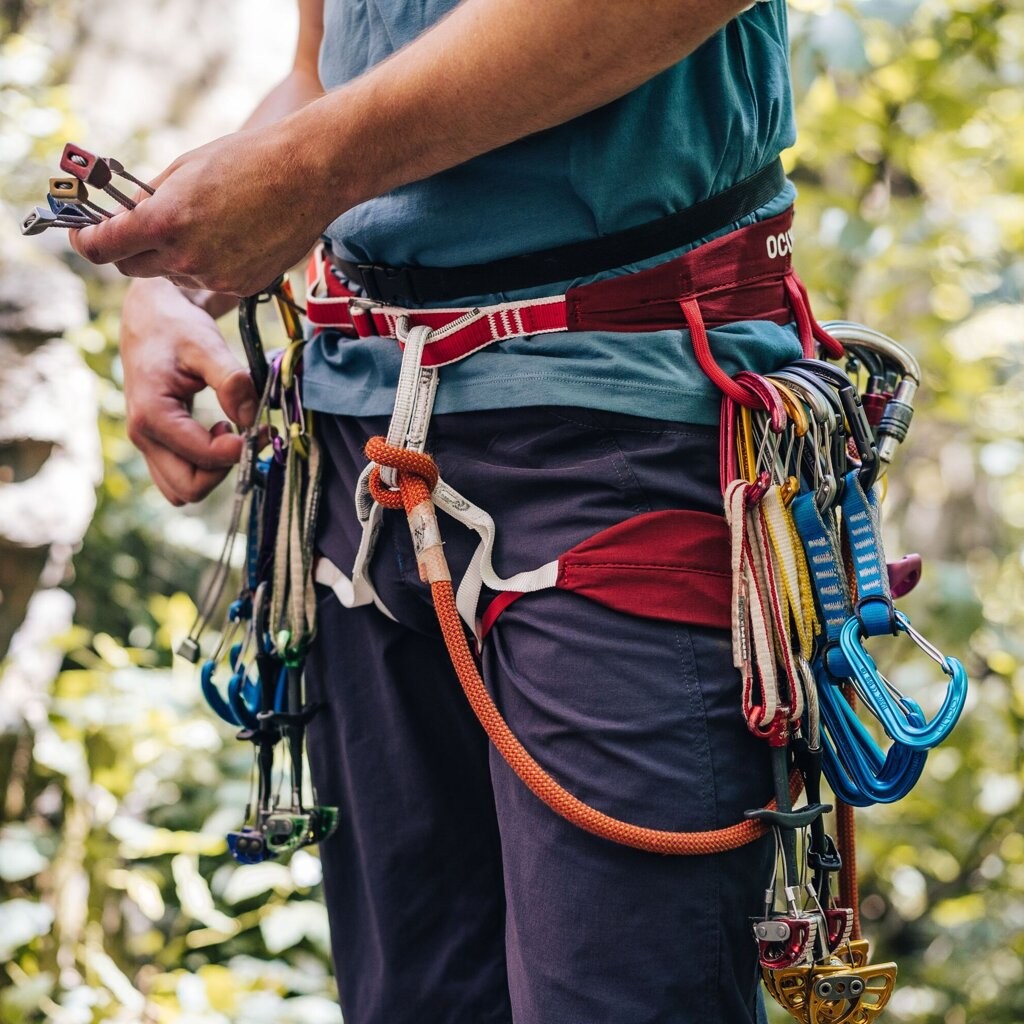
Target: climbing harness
{"points": [[795, 567], [802, 450]]}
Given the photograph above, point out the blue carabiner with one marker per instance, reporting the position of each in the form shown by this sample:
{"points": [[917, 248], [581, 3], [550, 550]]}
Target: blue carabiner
{"points": [[856, 769], [893, 714], [212, 694], [244, 698]]}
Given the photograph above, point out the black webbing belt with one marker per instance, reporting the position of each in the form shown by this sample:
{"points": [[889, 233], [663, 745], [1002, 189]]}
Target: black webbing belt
{"points": [[416, 286]]}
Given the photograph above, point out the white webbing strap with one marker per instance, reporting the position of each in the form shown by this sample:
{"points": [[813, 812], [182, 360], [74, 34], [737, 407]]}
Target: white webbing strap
{"points": [[480, 571], [751, 626], [774, 651], [358, 590], [414, 399]]}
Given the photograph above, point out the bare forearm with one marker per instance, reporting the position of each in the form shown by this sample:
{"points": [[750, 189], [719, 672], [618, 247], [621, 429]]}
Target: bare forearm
{"points": [[298, 88], [492, 72], [289, 95]]}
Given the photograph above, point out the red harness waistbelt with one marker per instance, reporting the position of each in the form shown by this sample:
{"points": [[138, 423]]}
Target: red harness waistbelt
{"points": [[745, 275]]}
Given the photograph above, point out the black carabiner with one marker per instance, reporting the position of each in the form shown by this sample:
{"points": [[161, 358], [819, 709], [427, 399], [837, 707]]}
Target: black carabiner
{"points": [[853, 410], [252, 342]]}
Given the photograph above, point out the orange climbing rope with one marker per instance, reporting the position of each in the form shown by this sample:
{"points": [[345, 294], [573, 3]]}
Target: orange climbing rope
{"points": [[417, 476]]}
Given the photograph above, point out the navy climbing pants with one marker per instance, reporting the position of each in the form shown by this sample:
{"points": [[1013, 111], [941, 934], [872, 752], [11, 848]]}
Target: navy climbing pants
{"points": [[454, 895]]}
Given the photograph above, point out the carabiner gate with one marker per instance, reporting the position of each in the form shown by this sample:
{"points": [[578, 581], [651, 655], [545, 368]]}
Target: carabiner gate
{"points": [[892, 713]]}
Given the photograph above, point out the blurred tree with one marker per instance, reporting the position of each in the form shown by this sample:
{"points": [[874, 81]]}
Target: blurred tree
{"points": [[117, 901]]}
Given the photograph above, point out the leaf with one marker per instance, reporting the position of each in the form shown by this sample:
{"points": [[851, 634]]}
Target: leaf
{"points": [[287, 925], [249, 880], [19, 857], [21, 921]]}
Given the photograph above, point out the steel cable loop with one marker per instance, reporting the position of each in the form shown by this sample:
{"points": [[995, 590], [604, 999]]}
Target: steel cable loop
{"points": [[417, 475]]}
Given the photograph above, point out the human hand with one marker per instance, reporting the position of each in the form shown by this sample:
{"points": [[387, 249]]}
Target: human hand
{"points": [[170, 350], [229, 217]]}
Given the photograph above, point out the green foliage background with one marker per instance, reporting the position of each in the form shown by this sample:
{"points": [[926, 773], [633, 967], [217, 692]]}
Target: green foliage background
{"points": [[116, 901]]}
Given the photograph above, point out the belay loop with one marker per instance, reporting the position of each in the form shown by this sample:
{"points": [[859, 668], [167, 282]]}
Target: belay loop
{"points": [[414, 477], [413, 465]]}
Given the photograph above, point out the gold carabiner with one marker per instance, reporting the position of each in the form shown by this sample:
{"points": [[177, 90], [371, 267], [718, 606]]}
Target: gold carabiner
{"points": [[289, 361], [284, 299], [795, 409]]}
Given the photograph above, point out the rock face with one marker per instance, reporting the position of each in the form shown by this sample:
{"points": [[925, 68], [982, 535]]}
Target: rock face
{"points": [[50, 460]]}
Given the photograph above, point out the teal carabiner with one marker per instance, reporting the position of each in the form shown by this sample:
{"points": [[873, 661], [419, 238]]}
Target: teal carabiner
{"points": [[886, 708]]}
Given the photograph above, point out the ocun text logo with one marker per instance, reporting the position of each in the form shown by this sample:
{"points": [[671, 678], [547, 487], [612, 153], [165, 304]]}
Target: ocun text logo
{"points": [[780, 245]]}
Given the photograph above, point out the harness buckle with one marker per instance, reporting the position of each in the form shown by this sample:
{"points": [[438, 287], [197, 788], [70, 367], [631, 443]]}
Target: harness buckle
{"points": [[385, 284]]}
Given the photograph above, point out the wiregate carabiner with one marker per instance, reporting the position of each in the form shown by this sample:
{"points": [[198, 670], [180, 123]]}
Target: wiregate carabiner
{"points": [[213, 696], [795, 410], [827, 412], [244, 697], [817, 457], [892, 713]]}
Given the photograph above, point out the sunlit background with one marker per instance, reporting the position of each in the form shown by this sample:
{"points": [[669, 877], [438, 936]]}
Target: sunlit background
{"points": [[117, 900]]}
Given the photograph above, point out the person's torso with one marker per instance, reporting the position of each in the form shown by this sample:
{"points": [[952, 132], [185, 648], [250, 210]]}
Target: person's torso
{"points": [[690, 132]]}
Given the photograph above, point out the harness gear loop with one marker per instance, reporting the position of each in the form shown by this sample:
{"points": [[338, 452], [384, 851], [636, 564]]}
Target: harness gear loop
{"points": [[414, 489], [741, 393]]}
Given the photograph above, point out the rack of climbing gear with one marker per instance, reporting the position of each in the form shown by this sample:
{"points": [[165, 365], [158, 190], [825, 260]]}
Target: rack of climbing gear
{"points": [[271, 621], [803, 450], [269, 624], [68, 202]]}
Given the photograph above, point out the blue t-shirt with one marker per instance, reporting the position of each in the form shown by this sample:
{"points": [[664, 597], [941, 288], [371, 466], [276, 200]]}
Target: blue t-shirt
{"points": [[690, 132]]}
